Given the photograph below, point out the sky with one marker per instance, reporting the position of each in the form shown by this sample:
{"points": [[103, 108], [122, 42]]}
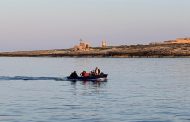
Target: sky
{"points": [[57, 24]]}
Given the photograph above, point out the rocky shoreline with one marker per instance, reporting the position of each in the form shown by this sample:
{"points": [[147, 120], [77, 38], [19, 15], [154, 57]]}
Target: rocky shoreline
{"points": [[124, 51]]}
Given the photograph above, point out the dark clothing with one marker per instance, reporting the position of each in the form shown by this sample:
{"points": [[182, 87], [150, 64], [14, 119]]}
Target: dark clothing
{"points": [[98, 71], [74, 75]]}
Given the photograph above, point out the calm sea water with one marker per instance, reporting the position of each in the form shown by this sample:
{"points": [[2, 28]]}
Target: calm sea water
{"points": [[137, 90]]}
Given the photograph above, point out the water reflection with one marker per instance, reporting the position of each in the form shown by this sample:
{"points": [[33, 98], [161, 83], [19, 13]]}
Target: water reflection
{"points": [[86, 88], [90, 83], [93, 83]]}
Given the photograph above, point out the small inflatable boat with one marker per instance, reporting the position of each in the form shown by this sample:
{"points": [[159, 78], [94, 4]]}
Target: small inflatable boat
{"points": [[101, 77]]}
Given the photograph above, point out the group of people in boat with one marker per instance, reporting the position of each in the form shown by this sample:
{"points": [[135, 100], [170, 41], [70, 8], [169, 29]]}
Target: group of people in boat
{"points": [[95, 72]]}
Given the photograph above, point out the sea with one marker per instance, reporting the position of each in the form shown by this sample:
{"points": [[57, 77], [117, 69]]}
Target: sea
{"points": [[137, 90]]}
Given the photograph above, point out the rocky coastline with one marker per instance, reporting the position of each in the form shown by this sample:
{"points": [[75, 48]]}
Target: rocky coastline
{"points": [[124, 51]]}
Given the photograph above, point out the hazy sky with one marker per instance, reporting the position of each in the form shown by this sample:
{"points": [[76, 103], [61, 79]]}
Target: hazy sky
{"points": [[53, 24]]}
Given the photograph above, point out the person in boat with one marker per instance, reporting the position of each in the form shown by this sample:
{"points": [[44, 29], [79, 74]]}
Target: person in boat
{"points": [[92, 73], [101, 74], [97, 71], [82, 73], [74, 75], [85, 74]]}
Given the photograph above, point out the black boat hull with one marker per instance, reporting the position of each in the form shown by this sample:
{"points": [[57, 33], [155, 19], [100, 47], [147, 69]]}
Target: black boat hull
{"points": [[90, 78]]}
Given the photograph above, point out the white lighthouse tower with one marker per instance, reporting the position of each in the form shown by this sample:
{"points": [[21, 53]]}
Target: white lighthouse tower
{"points": [[104, 44]]}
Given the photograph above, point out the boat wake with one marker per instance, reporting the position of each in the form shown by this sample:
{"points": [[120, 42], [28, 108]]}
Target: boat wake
{"points": [[2, 78]]}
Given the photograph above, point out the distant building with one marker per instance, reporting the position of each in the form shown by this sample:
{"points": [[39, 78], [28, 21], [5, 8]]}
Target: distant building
{"points": [[83, 46], [104, 44], [178, 41]]}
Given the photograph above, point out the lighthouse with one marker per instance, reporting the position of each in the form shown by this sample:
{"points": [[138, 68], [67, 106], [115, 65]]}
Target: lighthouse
{"points": [[104, 44]]}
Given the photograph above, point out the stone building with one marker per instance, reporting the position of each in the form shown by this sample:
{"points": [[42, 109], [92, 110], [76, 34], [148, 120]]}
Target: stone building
{"points": [[83, 46]]}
